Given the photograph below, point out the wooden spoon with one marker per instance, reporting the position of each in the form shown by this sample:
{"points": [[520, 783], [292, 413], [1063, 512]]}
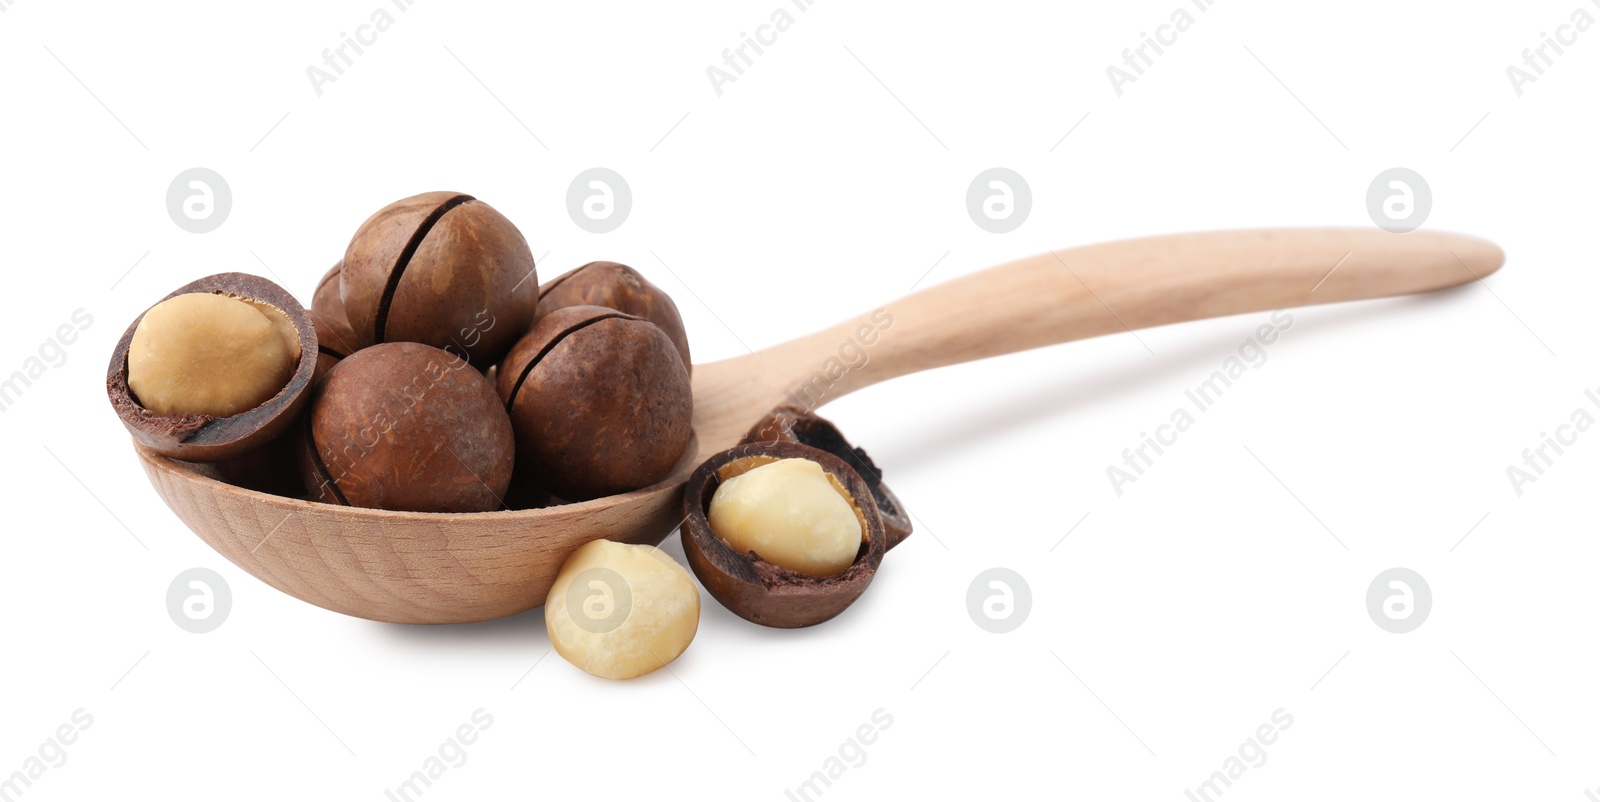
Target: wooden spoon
{"points": [[442, 568]]}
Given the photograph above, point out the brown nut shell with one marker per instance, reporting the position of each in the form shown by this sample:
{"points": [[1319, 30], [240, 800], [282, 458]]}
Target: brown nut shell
{"points": [[798, 425], [600, 402], [271, 469], [334, 335], [617, 286], [406, 426], [325, 362], [335, 339], [753, 588], [525, 494], [442, 269], [206, 438]]}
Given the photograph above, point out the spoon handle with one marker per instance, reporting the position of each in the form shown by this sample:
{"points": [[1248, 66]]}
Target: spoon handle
{"points": [[1113, 287]]}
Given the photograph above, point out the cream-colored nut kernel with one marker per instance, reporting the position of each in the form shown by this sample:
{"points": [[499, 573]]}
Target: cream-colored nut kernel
{"points": [[621, 611], [208, 354], [791, 514]]}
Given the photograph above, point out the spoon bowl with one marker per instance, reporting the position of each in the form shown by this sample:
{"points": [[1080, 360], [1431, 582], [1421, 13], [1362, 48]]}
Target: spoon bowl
{"points": [[434, 568]]}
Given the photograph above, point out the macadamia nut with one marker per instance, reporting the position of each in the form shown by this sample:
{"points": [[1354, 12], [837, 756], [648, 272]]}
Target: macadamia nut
{"points": [[621, 611], [209, 354], [600, 401], [791, 514]]}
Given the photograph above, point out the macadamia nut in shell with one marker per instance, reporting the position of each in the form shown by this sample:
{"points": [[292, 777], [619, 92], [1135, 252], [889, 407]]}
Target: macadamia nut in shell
{"points": [[210, 354], [617, 286], [224, 344], [443, 269], [747, 583], [600, 401], [406, 426]]}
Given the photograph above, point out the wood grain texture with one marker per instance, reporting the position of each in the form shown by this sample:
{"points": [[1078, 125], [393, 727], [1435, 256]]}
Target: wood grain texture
{"points": [[443, 568]]}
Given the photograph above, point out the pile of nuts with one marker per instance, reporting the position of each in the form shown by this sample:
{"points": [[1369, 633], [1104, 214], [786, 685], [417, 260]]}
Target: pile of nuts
{"points": [[432, 373]]}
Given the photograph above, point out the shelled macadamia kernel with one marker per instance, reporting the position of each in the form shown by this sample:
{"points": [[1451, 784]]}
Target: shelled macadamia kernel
{"points": [[621, 611], [203, 353], [791, 514]]}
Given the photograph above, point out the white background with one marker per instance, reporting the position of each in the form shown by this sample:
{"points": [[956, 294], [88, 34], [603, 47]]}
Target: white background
{"points": [[1165, 628]]}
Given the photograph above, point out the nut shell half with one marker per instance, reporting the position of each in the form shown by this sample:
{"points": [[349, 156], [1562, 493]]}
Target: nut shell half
{"points": [[753, 588], [206, 438]]}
